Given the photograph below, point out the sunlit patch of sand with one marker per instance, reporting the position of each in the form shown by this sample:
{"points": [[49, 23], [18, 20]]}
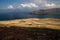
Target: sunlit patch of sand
{"points": [[33, 22]]}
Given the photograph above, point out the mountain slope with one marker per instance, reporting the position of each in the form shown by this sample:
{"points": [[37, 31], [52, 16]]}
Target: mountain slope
{"points": [[47, 11], [33, 23]]}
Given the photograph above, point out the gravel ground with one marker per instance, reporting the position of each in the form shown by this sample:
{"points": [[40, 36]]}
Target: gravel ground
{"points": [[16, 33]]}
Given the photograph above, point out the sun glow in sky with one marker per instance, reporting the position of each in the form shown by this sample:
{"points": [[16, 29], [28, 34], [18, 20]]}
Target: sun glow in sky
{"points": [[35, 4]]}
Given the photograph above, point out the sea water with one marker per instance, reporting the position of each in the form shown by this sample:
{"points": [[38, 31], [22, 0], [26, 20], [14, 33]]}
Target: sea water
{"points": [[22, 15]]}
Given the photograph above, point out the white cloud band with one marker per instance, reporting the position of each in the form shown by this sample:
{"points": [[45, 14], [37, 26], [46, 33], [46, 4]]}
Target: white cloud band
{"points": [[28, 5], [50, 5], [10, 7]]}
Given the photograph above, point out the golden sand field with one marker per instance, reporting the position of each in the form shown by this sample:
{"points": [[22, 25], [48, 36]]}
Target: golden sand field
{"points": [[33, 22]]}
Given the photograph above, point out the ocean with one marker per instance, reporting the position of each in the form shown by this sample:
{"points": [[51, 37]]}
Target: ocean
{"points": [[22, 15]]}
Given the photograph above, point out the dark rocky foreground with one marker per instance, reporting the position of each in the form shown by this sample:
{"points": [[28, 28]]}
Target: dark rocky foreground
{"points": [[16, 33]]}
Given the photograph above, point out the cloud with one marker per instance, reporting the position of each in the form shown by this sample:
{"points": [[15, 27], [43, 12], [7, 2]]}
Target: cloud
{"points": [[40, 1], [37, 1], [10, 7], [45, 4], [50, 5], [28, 5]]}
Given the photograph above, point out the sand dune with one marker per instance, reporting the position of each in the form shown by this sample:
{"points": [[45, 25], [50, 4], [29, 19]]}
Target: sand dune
{"points": [[33, 22]]}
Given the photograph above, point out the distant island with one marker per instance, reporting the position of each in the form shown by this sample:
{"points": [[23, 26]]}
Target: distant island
{"points": [[47, 11]]}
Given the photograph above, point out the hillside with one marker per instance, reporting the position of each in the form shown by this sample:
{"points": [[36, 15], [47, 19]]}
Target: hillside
{"points": [[51, 23], [30, 29], [16, 33], [47, 11]]}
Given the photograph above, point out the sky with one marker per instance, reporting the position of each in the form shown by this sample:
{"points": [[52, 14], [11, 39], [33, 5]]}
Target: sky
{"points": [[29, 4]]}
